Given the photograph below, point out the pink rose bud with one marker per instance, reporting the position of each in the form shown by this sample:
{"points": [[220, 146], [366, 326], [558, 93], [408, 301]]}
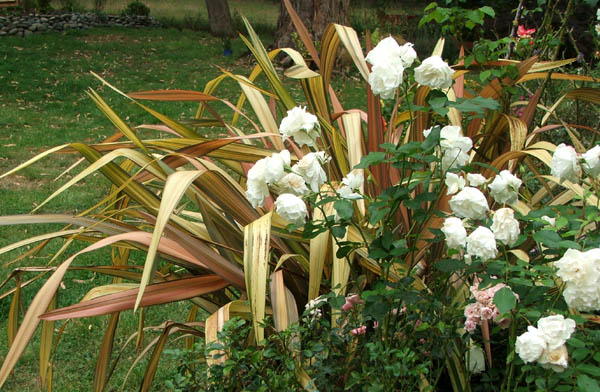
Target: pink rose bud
{"points": [[354, 299], [359, 331], [347, 306]]}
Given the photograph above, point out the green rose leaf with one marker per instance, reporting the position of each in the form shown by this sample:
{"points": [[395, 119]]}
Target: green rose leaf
{"points": [[587, 384], [505, 300]]}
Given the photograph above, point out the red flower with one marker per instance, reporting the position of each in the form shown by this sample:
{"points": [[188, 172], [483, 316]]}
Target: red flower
{"points": [[522, 32]]}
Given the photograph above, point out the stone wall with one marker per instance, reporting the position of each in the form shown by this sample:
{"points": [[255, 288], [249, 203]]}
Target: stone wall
{"points": [[24, 25]]}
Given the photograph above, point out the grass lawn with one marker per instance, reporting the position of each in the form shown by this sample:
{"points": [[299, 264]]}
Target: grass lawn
{"points": [[43, 80]]}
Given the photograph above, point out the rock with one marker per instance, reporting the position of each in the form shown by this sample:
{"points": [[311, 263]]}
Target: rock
{"points": [[27, 33], [13, 31]]}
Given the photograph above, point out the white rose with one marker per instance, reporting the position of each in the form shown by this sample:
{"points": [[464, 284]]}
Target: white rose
{"points": [[293, 183], [302, 126], [309, 167], [564, 163], [451, 137], [455, 232], [505, 227], [481, 243], [354, 179], [582, 296], [573, 266], [591, 161], [550, 221], [505, 188], [455, 147], [426, 132], [257, 192], [385, 78], [346, 192], [454, 183], [434, 72], [291, 208], [384, 51], [469, 203], [475, 179], [556, 330], [257, 189], [275, 165], [556, 359], [407, 54], [454, 158], [530, 345]]}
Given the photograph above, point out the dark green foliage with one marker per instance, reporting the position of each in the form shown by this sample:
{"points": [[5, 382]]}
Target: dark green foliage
{"points": [[136, 8]]}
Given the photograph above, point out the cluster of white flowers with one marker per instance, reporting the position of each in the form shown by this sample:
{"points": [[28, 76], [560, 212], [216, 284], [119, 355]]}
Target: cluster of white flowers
{"points": [[389, 61], [469, 202], [302, 126], [546, 343], [292, 183], [484, 308], [581, 272], [313, 307], [565, 163]]}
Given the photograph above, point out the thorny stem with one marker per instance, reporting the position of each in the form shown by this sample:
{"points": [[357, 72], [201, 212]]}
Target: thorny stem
{"points": [[513, 32]]}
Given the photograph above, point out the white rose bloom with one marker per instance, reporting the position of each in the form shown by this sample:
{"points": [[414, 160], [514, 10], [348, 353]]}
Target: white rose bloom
{"points": [[407, 54], [564, 163], [548, 220], [454, 158], [346, 192], [257, 192], [385, 78], [291, 208], [454, 183], [591, 161], [505, 188], [481, 243], [476, 179], [455, 147], [302, 126], [293, 183], [469, 203], [573, 266], [581, 271], [275, 165], [530, 345], [434, 72], [582, 296], [354, 179], [426, 132], [556, 330], [455, 232], [556, 359], [386, 48], [505, 227], [309, 167], [257, 189]]}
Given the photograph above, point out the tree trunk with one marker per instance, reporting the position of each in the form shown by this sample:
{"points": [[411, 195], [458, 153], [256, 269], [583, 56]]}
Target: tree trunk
{"points": [[219, 18], [315, 14]]}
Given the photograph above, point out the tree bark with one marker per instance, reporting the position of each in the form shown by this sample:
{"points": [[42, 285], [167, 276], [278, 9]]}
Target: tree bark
{"points": [[219, 18], [315, 14]]}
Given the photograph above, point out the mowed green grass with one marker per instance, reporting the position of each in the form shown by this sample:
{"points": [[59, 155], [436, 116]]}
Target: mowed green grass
{"points": [[43, 80]]}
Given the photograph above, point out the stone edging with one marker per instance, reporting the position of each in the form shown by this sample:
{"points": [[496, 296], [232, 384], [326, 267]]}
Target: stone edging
{"points": [[25, 25]]}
